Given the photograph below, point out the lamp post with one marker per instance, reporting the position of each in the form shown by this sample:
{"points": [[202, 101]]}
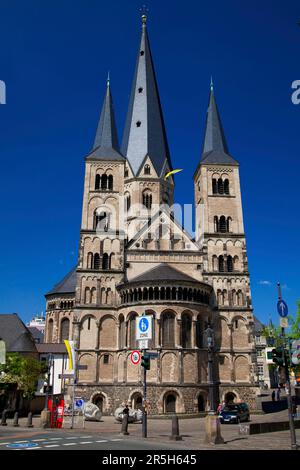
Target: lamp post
{"points": [[212, 422], [211, 385], [46, 413]]}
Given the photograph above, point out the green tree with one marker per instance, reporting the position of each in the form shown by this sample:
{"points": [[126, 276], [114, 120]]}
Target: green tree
{"points": [[295, 323], [22, 371]]}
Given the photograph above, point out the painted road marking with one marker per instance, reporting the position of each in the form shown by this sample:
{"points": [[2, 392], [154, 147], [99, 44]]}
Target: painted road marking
{"points": [[115, 440], [74, 437], [55, 438], [4, 443], [71, 444], [53, 445], [87, 442], [38, 440], [31, 448], [102, 441]]}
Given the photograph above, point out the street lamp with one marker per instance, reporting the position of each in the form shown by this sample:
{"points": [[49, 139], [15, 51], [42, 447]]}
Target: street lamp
{"points": [[210, 341], [212, 422]]}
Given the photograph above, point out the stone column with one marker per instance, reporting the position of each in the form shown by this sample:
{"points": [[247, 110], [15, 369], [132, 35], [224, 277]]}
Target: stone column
{"points": [[178, 326], [76, 332], [158, 333], [194, 333]]}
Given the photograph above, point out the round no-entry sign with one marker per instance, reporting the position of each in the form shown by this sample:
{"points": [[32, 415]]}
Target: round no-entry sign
{"points": [[135, 357]]}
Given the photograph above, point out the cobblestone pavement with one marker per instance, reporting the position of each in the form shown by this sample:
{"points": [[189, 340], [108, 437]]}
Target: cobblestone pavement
{"points": [[192, 431]]}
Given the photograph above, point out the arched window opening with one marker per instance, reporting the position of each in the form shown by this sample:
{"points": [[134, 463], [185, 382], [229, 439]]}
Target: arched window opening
{"points": [[168, 327], [186, 331], [214, 186], [99, 401], [96, 264], [220, 186], [64, 329], [240, 298], [201, 403], [216, 223], [132, 340], [221, 263], [110, 182], [50, 330], [87, 295], [127, 201], [234, 297], [105, 261], [156, 293], [162, 293], [122, 332], [215, 262], [228, 224], [199, 333], [168, 293], [229, 264], [147, 170], [98, 182], [147, 199], [222, 225], [226, 186], [170, 403], [101, 220], [104, 182]]}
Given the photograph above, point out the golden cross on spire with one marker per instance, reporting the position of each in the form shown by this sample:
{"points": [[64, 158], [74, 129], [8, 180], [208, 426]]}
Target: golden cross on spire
{"points": [[144, 10]]}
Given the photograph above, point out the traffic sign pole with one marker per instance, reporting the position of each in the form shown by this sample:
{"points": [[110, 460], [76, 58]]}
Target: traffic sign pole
{"points": [[286, 367], [144, 419]]}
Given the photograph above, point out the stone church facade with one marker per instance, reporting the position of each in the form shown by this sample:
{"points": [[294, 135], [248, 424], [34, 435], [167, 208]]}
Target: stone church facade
{"points": [[135, 258]]}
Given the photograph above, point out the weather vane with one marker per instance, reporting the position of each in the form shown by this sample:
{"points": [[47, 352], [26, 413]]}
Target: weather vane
{"points": [[144, 10]]}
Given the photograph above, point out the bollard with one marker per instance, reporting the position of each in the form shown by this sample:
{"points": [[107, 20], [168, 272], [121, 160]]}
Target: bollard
{"points": [[3, 419], [29, 420], [16, 419], [175, 429], [124, 429]]}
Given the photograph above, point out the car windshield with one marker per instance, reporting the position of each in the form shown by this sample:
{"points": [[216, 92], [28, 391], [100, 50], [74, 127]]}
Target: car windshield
{"points": [[231, 408]]}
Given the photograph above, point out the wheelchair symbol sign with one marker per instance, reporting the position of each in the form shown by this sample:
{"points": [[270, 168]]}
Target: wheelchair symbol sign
{"points": [[144, 327]]}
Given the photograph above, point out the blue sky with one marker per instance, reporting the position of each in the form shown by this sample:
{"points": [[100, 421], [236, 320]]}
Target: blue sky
{"points": [[54, 59]]}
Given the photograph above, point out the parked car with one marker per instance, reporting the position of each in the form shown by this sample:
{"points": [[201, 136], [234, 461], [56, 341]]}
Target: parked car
{"points": [[234, 413]]}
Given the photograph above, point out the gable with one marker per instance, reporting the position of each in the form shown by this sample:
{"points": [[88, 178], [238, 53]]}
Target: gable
{"points": [[163, 232]]}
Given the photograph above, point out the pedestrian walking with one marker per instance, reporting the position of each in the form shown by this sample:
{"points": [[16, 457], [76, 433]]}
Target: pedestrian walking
{"points": [[273, 395], [278, 394]]}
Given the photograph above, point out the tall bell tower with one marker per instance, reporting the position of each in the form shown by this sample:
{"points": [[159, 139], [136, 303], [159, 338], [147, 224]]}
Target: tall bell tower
{"points": [[220, 232]]}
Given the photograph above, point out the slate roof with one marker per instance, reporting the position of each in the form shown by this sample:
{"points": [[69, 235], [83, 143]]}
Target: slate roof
{"points": [[58, 348], [163, 272], [144, 106], [258, 325], [215, 148], [37, 334], [67, 285], [16, 335], [106, 145]]}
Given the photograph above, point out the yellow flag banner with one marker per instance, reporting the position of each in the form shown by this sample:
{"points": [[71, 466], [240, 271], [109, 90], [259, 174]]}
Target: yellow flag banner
{"points": [[71, 353], [172, 172]]}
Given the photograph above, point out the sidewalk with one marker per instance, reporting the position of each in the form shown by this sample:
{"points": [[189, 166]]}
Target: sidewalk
{"points": [[192, 431]]}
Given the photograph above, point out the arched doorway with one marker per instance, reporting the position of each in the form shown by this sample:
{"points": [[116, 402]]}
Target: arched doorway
{"points": [[201, 403], [98, 400], [170, 403], [230, 397], [137, 401]]}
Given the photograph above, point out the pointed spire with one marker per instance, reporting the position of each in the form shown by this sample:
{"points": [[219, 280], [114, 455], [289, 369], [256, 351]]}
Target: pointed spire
{"points": [[106, 145], [215, 149], [144, 132]]}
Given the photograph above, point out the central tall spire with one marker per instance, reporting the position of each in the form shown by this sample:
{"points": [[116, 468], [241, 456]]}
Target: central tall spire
{"points": [[144, 132]]}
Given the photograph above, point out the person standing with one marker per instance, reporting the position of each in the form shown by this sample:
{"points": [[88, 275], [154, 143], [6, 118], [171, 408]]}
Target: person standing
{"points": [[278, 394], [273, 395]]}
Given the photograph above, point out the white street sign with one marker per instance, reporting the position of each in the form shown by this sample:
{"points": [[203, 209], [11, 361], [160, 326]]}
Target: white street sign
{"points": [[2, 352], [143, 344], [284, 323], [143, 327]]}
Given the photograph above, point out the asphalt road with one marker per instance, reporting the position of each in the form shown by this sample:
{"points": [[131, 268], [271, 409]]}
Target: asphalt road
{"points": [[31, 441]]}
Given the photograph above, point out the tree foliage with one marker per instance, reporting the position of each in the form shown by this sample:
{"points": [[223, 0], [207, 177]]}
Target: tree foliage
{"points": [[22, 371]]}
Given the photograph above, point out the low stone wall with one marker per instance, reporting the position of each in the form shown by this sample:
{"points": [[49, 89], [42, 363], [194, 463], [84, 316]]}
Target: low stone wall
{"points": [[260, 428]]}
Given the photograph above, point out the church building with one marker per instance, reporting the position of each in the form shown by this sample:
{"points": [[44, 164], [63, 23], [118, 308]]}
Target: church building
{"points": [[135, 258]]}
